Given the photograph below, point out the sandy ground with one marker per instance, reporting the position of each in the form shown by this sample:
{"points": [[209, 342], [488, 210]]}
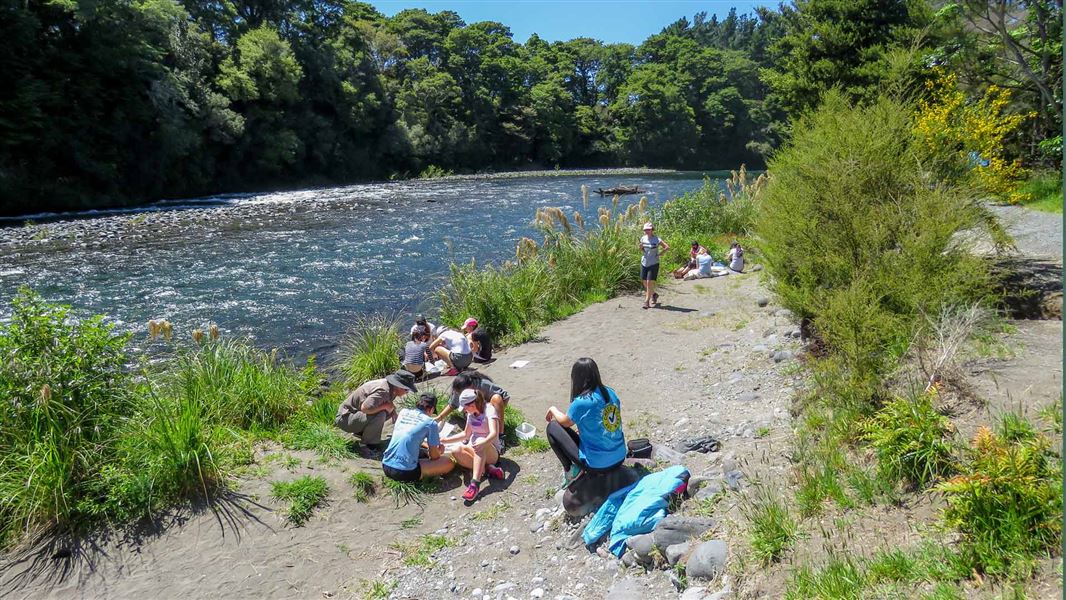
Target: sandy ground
{"points": [[699, 364]]}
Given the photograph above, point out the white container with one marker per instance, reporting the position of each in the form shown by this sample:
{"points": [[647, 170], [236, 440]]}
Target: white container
{"points": [[526, 431]]}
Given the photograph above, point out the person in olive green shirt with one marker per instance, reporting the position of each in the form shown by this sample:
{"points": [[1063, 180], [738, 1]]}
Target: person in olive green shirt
{"points": [[365, 410]]}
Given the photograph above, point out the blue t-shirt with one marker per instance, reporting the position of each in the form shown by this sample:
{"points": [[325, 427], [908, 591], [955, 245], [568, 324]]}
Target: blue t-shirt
{"points": [[600, 423], [704, 261], [412, 428]]}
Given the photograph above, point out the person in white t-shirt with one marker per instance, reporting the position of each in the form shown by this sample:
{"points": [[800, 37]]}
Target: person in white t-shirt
{"points": [[735, 256], [649, 246], [453, 348], [703, 266]]}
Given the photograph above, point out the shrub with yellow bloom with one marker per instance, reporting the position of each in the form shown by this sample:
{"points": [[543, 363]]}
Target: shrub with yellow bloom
{"points": [[972, 132]]}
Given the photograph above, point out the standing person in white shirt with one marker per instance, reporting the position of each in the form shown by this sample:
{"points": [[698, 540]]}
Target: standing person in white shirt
{"points": [[649, 263], [453, 348]]}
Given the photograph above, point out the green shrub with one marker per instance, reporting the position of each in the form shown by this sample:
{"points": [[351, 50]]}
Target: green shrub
{"points": [[857, 238], [363, 486], [66, 393], [1006, 502], [1045, 191], [710, 211], [911, 440], [303, 495], [370, 349]]}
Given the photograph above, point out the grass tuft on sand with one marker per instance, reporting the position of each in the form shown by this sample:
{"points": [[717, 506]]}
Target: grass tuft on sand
{"points": [[303, 495]]}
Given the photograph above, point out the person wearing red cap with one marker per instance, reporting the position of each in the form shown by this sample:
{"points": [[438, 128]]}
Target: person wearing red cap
{"points": [[480, 342]]}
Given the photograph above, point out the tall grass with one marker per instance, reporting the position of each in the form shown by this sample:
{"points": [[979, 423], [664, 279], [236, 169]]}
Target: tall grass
{"points": [[1044, 191], [81, 439], [574, 265], [370, 349]]}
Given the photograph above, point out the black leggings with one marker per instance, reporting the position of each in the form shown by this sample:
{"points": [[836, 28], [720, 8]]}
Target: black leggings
{"points": [[564, 442]]}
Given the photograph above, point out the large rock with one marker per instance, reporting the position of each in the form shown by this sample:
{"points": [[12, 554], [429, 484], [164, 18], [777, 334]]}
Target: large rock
{"points": [[709, 490], [708, 560], [586, 494], [676, 529], [642, 546]]}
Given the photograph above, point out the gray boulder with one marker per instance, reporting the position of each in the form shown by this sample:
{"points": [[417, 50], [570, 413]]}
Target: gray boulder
{"points": [[782, 355], [762, 301], [708, 560], [642, 546], [675, 552], [709, 490], [676, 529], [733, 479]]}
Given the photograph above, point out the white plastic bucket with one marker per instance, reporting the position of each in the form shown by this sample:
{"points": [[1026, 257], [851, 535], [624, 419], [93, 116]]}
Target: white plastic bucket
{"points": [[526, 431]]}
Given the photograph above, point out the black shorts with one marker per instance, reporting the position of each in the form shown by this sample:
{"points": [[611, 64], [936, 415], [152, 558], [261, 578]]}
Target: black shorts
{"points": [[397, 475], [649, 273]]}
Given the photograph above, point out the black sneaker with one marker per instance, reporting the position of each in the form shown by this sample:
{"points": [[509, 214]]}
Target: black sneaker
{"points": [[655, 298]]}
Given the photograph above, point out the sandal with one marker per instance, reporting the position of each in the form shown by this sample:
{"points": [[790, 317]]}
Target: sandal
{"points": [[645, 306], [471, 491]]}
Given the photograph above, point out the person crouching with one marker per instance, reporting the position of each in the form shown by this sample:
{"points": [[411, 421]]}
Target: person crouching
{"points": [[413, 427]]}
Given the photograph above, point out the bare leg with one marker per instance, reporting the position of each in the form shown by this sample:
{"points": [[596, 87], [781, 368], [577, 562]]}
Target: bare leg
{"points": [[487, 456], [651, 290], [464, 456], [442, 353], [436, 467]]}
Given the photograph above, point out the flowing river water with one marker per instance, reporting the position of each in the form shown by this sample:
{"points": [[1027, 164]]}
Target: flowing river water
{"points": [[292, 270]]}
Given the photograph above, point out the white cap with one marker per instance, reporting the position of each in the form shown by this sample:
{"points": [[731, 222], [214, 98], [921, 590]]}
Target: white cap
{"points": [[648, 226], [467, 397]]}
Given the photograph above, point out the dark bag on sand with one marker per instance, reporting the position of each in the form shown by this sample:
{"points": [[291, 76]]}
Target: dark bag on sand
{"points": [[639, 448]]}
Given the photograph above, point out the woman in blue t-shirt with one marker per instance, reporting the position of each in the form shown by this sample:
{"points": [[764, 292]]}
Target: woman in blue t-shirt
{"points": [[596, 411]]}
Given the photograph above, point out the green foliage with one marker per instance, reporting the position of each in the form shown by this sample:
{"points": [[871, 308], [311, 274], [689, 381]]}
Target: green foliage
{"points": [[404, 492], [419, 552], [303, 495], [363, 485], [370, 349], [378, 590], [434, 172], [911, 440], [838, 579], [772, 529], [531, 446], [66, 393], [1006, 502], [1045, 190], [855, 239]]}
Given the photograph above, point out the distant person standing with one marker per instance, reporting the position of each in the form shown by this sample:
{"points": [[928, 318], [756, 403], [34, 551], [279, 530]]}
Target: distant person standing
{"points": [[422, 323], [649, 263], [480, 342]]}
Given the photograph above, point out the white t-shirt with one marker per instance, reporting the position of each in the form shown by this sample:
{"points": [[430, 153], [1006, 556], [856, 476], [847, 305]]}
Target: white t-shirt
{"points": [[649, 244], [456, 342], [704, 261], [735, 256], [429, 326]]}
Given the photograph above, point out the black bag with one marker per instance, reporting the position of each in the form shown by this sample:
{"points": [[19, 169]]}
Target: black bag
{"points": [[639, 448]]}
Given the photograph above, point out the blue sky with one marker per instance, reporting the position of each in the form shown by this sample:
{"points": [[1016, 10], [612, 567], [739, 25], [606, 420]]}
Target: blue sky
{"points": [[606, 20]]}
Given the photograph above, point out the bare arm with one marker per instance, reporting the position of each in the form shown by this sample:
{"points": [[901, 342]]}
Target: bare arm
{"points": [[554, 414], [461, 437], [444, 413]]}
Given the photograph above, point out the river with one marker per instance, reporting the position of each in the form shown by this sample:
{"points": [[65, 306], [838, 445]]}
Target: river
{"points": [[292, 270]]}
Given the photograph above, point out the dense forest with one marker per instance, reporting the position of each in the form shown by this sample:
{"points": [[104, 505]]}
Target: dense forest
{"points": [[111, 102]]}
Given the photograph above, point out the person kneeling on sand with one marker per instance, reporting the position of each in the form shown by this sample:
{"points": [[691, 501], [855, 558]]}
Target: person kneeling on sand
{"points": [[704, 263], [413, 427], [480, 342], [453, 348], [597, 412], [481, 441], [365, 410], [497, 396]]}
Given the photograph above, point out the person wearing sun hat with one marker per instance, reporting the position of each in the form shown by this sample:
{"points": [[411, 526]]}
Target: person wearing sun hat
{"points": [[480, 342], [649, 246], [365, 410], [481, 441]]}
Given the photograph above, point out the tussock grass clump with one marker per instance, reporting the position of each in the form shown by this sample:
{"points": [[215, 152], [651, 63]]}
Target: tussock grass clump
{"points": [[370, 349], [363, 486], [1006, 502], [772, 529], [575, 264], [238, 385], [312, 428], [531, 446], [838, 578], [911, 440], [419, 552], [404, 492], [303, 495]]}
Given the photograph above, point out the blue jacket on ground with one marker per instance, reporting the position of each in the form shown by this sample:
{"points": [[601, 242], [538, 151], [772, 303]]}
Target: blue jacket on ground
{"points": [[634, 509]]}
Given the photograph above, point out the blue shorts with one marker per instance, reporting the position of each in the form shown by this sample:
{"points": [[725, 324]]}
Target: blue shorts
{"points": [[649, 273]]}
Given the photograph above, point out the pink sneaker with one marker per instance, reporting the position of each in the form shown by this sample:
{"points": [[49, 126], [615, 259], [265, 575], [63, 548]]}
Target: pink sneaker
{"points": [[495, 472], [452, 372], [471, 492]]}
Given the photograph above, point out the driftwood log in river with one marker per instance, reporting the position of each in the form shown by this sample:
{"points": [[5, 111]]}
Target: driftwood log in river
{"points": [[621, 190]]}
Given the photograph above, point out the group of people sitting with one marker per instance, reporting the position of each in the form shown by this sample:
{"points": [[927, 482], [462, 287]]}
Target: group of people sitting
{"points": [[418, 448], [458, 349], [701, 264]]}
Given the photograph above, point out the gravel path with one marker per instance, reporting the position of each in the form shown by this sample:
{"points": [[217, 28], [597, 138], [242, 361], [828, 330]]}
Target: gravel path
{"points": [[1037, 234]]}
